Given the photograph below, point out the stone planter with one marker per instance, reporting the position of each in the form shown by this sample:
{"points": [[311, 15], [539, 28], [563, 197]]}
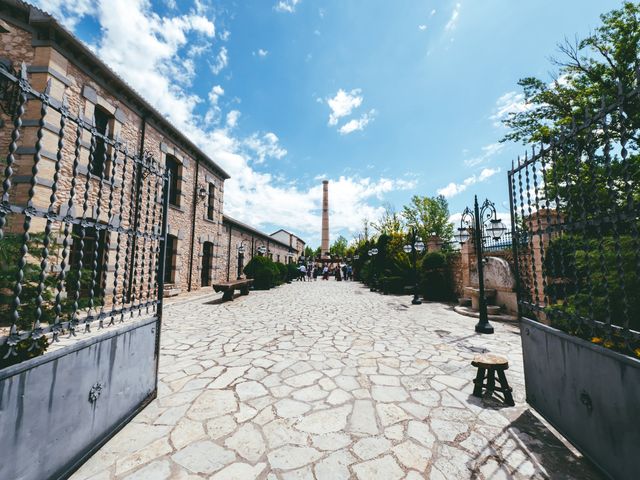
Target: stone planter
{"points": [[589, 393]]}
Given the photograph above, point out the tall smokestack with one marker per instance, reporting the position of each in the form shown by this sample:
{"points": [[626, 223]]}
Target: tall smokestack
{"points": [[324, 247]]}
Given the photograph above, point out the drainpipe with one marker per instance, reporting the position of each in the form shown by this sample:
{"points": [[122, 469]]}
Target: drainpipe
{"points": [[229, 255], [193, 223]]}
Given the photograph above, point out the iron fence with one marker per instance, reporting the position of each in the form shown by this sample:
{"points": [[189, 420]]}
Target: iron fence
{"points": [[82, 222], [575, 223]]}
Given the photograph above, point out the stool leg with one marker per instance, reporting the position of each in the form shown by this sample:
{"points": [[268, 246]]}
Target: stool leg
{"points": [[477, 389], [506, 389], [491, 380]]}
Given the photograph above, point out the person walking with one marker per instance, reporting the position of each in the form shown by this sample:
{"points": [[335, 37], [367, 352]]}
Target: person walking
{"points": [[303, 273], [309, 269], [325, 273]]}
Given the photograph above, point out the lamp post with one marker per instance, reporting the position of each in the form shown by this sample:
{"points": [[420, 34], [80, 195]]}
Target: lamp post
{"points": [[262, 250], [416, 246], [372, 253], [476, 220]]}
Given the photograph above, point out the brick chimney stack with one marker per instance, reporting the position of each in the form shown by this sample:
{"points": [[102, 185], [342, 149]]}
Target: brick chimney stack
{"points": [[324, 247]]}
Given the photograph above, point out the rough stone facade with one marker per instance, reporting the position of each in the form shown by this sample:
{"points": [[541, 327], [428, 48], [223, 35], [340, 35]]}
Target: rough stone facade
{"points": [[236, 234], [294, 242]]}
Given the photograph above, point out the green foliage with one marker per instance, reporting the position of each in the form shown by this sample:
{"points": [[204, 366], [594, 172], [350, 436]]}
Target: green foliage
{"points": [[264, 272], [393, 285], [10, 247], [339, 247], [592, 277], [282, 272], [430, 215], [292, 271], [436, 281], [390, 221], [308, 252]]}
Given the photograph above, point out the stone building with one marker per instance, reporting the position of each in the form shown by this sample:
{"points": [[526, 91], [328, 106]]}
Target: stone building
{"points": [[294, 242], [114, 114], [240, 243]]}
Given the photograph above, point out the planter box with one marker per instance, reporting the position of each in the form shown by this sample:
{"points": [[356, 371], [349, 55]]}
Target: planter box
{"points": [[587, 392]]}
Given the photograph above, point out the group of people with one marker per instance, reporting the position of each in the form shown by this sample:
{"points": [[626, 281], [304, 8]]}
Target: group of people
{"points": [[313, 271]]}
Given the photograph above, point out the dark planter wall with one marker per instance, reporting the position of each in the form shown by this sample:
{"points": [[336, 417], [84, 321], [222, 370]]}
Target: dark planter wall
{"points": [[49, 422], [589, 393]]}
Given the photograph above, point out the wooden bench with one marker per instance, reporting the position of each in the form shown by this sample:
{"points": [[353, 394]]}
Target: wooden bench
{"points": [[229, 287]]}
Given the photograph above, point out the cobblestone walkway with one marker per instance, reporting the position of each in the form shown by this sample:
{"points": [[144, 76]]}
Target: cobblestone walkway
{"points": [[326, 380]]}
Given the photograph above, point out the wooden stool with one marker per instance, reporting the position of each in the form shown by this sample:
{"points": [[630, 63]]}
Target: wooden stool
{"points": [[489, 365]]}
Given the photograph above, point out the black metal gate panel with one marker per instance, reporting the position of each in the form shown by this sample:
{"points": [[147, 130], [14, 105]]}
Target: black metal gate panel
{"points": [[82, 235]]}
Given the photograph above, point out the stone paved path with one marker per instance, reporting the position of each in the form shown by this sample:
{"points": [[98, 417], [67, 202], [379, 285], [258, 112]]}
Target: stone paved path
{"points": [[329, 381]]}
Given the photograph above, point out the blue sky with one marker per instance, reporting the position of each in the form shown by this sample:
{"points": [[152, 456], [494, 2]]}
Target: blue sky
{"points": [[386, 99]]}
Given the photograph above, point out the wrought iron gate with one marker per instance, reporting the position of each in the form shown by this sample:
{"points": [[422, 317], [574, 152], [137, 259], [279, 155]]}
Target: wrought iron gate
{"points": [[575, 212], [82, 235]]}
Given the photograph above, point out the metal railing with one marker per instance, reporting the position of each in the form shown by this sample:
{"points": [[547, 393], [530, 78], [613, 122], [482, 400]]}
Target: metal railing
{"points": [[575, 208], [70, 256]]}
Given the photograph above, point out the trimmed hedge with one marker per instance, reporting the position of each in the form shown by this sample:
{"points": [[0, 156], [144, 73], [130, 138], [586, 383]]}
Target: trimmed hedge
{"points": [[393, 285], [436, 284], [264, 272]]}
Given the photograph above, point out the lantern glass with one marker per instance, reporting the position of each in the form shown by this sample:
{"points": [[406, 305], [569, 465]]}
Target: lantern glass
{"points": [[374, 251], [419, 245], [462, 236], [407, 249], [496, 228]]}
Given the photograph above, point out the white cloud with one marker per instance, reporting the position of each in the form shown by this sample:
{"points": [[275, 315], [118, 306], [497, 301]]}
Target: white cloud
{"points": [[265, 146], [454, 189], [68, 13], [422, 27], [232, 118], [288, 6], [510, 102], [433, 12], [261, 53], [357, 124], [222, 60], [216, 92], [488, 151], [343, 103], [224, 35], [453, 20]]}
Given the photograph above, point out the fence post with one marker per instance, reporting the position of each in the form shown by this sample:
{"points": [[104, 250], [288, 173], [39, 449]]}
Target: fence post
{"points": [[161, 266]]}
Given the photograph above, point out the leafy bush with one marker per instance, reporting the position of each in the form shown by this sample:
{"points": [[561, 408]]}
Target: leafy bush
{"points": [[264, 272], [283, 272], [436, 282], [591, 278], [393, 285], [292, 271]]}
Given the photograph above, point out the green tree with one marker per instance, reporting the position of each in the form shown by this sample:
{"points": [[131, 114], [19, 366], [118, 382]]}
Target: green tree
{"points": [[339, 247], [308, 252], [430, 215], [389, 222]]}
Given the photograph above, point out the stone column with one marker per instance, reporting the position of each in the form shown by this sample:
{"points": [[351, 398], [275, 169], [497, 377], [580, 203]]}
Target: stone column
{"points": [[325, 219]]}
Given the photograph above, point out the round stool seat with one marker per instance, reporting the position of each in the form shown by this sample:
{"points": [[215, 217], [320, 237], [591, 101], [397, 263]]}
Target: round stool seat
{"points": [[490, 360]]}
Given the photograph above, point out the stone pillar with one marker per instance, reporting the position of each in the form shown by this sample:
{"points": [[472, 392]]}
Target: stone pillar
{"points": [[324, 247], [434, 243]]}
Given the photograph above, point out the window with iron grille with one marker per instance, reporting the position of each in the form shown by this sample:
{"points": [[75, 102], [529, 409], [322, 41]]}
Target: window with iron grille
{"points": [[174, 167], [85, 251], [210, 202], [170, 259], [102, 119]]}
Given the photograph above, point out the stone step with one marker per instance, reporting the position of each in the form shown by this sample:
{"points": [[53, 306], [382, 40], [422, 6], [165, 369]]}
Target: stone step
{"points": [[464, 301], [493, 309]]}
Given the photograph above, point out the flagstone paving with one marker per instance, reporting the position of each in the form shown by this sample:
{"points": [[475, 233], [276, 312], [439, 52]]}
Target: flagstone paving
{"points": [[327, 381]]}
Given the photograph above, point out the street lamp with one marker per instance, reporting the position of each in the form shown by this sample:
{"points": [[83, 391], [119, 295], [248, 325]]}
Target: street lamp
{"points": [[372, 253], [416, 246], [262, 250], [476, 220]]}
